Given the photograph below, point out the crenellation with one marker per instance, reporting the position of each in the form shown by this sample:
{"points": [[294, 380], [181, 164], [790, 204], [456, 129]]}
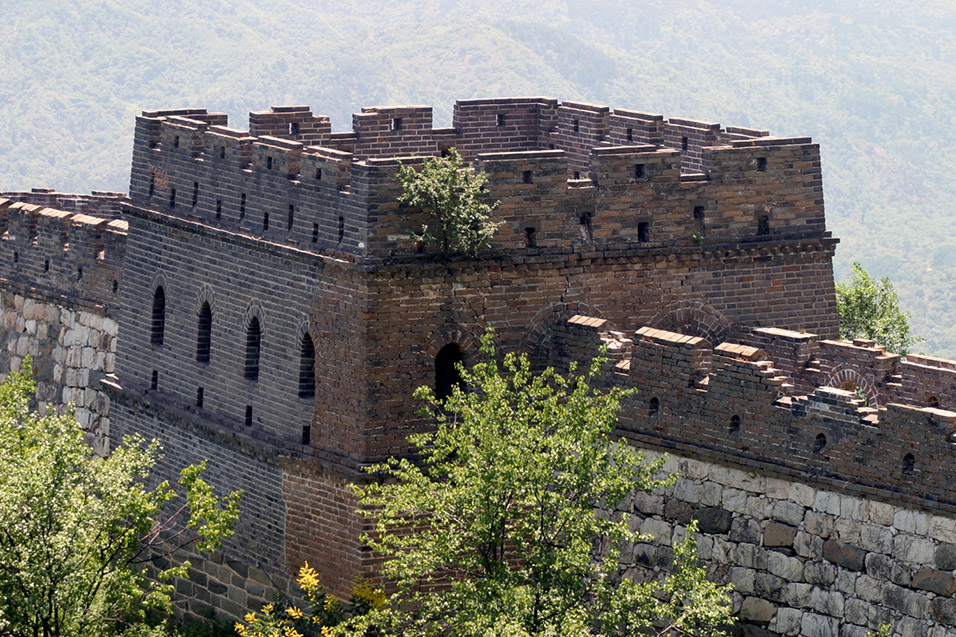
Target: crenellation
{"points": [[691, 137], [739, 192], [99, 203], [63, 254], [633, 127], [296, 123]]}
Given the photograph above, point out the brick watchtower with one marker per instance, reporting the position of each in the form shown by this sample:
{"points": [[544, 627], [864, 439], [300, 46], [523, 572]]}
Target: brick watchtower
{"points": [[276, 315]]}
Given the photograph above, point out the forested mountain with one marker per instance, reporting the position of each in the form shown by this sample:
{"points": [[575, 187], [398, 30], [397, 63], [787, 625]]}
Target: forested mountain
{"points": [[873, 81]]}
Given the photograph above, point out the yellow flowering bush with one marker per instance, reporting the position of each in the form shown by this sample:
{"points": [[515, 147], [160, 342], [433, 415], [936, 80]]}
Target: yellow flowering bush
{"points": [[325, 616]]}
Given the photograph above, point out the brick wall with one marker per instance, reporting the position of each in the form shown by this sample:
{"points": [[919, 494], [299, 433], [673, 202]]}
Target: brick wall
{"points": [[240, 280], [576, 164], [72, 256]]}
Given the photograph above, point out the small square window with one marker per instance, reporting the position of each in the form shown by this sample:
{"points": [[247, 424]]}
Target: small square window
{"points": [[396, 123]]}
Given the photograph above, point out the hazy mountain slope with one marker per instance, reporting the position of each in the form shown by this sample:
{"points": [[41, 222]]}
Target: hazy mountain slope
{"points": [[872, 82]]}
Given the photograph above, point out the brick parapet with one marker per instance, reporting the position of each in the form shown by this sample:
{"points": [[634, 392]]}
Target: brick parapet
{"points": [[99, 203], [327, 196], [62, 254], [732, 409]]}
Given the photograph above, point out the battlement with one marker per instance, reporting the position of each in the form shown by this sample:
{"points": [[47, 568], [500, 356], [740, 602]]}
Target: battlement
{"points": [[569, 176], [99, 203], [63, 254], [736, 401]]}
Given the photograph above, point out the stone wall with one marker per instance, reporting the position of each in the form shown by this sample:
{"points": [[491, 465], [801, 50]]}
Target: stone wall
{"points": [[72, 350], [803, 560]]}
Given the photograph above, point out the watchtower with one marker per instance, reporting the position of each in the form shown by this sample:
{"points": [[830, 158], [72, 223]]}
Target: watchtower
{"points": [[277, 313]]}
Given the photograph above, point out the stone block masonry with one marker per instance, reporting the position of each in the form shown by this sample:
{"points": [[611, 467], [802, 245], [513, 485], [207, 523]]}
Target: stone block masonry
{"points": [[72, 351], [803, 560]]}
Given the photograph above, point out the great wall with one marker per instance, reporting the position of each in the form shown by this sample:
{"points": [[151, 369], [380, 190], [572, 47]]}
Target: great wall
{"points": [[259, 300]]}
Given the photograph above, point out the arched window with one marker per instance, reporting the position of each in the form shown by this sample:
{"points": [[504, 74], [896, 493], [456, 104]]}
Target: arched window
{"points": [[734, 424], [306, 367], [909, 464], [204, 334], [253, 341], [447, 375], [158, 324]]}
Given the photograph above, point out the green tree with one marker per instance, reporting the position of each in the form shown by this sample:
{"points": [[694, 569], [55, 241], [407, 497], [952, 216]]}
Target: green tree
{"points": [[499, 529], [77, 531], [869, 308], [451, 194]]}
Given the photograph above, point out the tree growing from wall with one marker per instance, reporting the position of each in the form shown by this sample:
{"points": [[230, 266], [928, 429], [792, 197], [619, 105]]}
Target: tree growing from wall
{"points": [[869, 308], [77, 531], [499, 529], [452, 195]]}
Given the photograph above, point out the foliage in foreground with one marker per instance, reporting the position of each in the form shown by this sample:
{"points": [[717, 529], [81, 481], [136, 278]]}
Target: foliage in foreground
{"points": [[77, 530], [498, 531], [869, 308], [451, 195], [324, 612]]}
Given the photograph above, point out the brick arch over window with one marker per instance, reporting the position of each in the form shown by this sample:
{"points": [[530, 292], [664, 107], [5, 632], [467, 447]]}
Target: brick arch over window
{"points": [[157, 324], [851, 380], [442, 349], [204, 321], [537, 338], [468, 340], [693, 318], [204, 334], [305, 346], [253, 343]]}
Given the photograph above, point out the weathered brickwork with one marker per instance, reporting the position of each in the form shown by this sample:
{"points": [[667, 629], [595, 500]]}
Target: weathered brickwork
{"points": [[100, 203], [275, 315]]}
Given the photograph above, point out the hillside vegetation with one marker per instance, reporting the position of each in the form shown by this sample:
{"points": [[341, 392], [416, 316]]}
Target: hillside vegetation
{"points": [[873, 82]]}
